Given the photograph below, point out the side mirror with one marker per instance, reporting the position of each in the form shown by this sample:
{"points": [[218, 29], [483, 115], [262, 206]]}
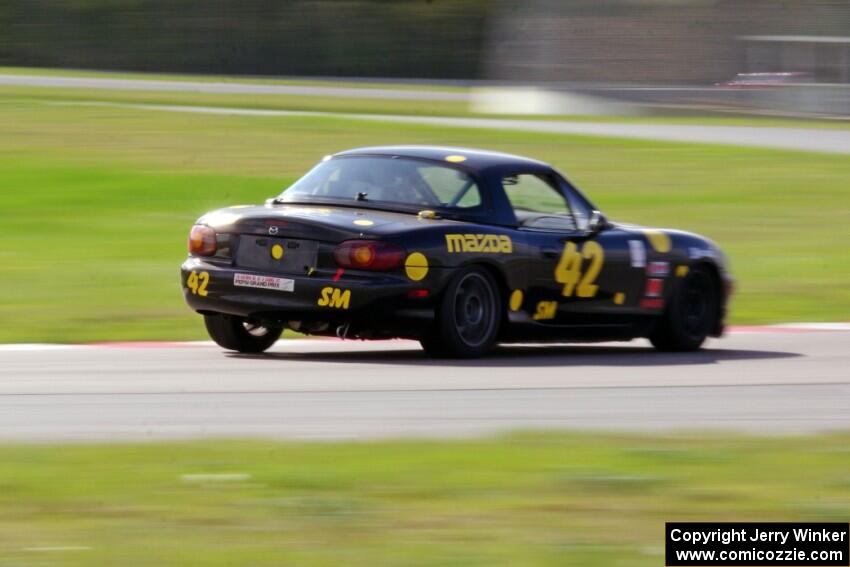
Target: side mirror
{"points": [[597, 223]]}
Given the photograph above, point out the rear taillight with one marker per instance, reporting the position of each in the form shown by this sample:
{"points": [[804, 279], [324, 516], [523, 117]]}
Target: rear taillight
{"points": [[369, 255], [202, 240]]}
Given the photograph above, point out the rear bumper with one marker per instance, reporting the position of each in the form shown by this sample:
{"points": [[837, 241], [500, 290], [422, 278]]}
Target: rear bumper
{"points": [[377, 300]]}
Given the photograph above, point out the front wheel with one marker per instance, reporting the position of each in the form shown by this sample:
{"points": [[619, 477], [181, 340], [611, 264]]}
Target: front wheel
{"points": [[467, 318], [691, 314], [237, 333]]}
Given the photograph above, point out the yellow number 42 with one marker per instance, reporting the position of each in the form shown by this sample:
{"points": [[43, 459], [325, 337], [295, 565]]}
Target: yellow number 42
{"points": [[197, 283], [568, 271]]}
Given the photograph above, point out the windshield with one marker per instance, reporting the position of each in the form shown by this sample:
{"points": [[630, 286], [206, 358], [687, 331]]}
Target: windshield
{"points": [[409, 183]]}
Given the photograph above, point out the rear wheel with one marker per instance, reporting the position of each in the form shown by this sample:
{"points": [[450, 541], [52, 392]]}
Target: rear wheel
{"points": [[691, 314], [237, 333], [467, 318]]}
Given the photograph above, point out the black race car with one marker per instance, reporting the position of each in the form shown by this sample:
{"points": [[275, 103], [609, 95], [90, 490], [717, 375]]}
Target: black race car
{"points": [[457, 248]]}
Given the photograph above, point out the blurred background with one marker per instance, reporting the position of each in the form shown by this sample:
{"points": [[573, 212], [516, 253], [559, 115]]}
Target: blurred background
{"points": [[705, 54]]}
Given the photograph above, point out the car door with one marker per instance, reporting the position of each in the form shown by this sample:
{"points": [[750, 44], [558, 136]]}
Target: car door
{"points": [[580, 277]]}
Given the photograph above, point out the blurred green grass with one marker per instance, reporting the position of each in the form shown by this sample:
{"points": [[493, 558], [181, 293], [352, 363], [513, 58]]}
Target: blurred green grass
{"points": [[519, 500], [97, 201]]}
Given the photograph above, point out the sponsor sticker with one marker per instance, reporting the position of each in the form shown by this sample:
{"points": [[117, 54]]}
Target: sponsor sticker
{"points": [[658, 269], [654, 287], [545, 310], [652, 303], [486, 243], [263, 282], [638, 253], [697, 253]]}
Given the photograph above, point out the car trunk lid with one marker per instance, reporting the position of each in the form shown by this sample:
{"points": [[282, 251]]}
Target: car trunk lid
{"points": [[296, 239]]}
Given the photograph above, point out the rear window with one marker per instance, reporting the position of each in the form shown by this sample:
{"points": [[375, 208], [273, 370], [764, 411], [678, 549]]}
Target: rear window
{"points": [[386, 180]]}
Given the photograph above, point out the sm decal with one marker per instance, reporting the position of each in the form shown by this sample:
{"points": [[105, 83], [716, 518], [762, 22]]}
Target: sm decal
{"points": [[334, 297]]}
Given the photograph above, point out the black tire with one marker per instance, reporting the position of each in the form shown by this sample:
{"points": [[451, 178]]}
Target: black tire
{"points": [[691, 314], [236, 333], [467, 317]]}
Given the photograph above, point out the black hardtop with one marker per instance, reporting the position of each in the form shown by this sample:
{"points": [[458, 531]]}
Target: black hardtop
{"points": [[474, 160]]}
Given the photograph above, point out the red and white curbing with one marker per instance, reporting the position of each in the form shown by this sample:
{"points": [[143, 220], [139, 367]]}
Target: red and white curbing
{"points": [[783, 328]]}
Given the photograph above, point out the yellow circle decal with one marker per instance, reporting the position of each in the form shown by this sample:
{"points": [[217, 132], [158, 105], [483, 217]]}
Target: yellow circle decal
{"points": [[416, 266], [619, 298], [277, 251], [455, 159], [363, 222], [515, 301], [659, 241]]}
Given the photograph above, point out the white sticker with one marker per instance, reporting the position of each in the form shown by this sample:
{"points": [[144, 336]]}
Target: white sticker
{"points": [[638, 253], [698, 253], [263, 282], [658, 269]]}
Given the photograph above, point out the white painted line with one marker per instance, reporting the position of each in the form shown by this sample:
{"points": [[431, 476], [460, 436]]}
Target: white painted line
{"points": [[815, 326], [36, 347], [21, 347], [789, 328], [294, 343]]}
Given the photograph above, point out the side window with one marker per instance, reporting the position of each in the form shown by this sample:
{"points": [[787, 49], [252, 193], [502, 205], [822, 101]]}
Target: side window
{"points": [[537, 203], [452, 187]]}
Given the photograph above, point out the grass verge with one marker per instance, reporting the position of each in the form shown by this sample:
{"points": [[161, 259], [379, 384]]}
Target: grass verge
{"points": [[519, 500]]}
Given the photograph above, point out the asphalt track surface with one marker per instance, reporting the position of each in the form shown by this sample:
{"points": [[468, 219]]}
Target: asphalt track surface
{"points": [[763, 380]]}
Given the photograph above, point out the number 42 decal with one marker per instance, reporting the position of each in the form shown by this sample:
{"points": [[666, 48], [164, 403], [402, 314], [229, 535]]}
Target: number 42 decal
{"points": [[568, 271], [197, 283]]}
